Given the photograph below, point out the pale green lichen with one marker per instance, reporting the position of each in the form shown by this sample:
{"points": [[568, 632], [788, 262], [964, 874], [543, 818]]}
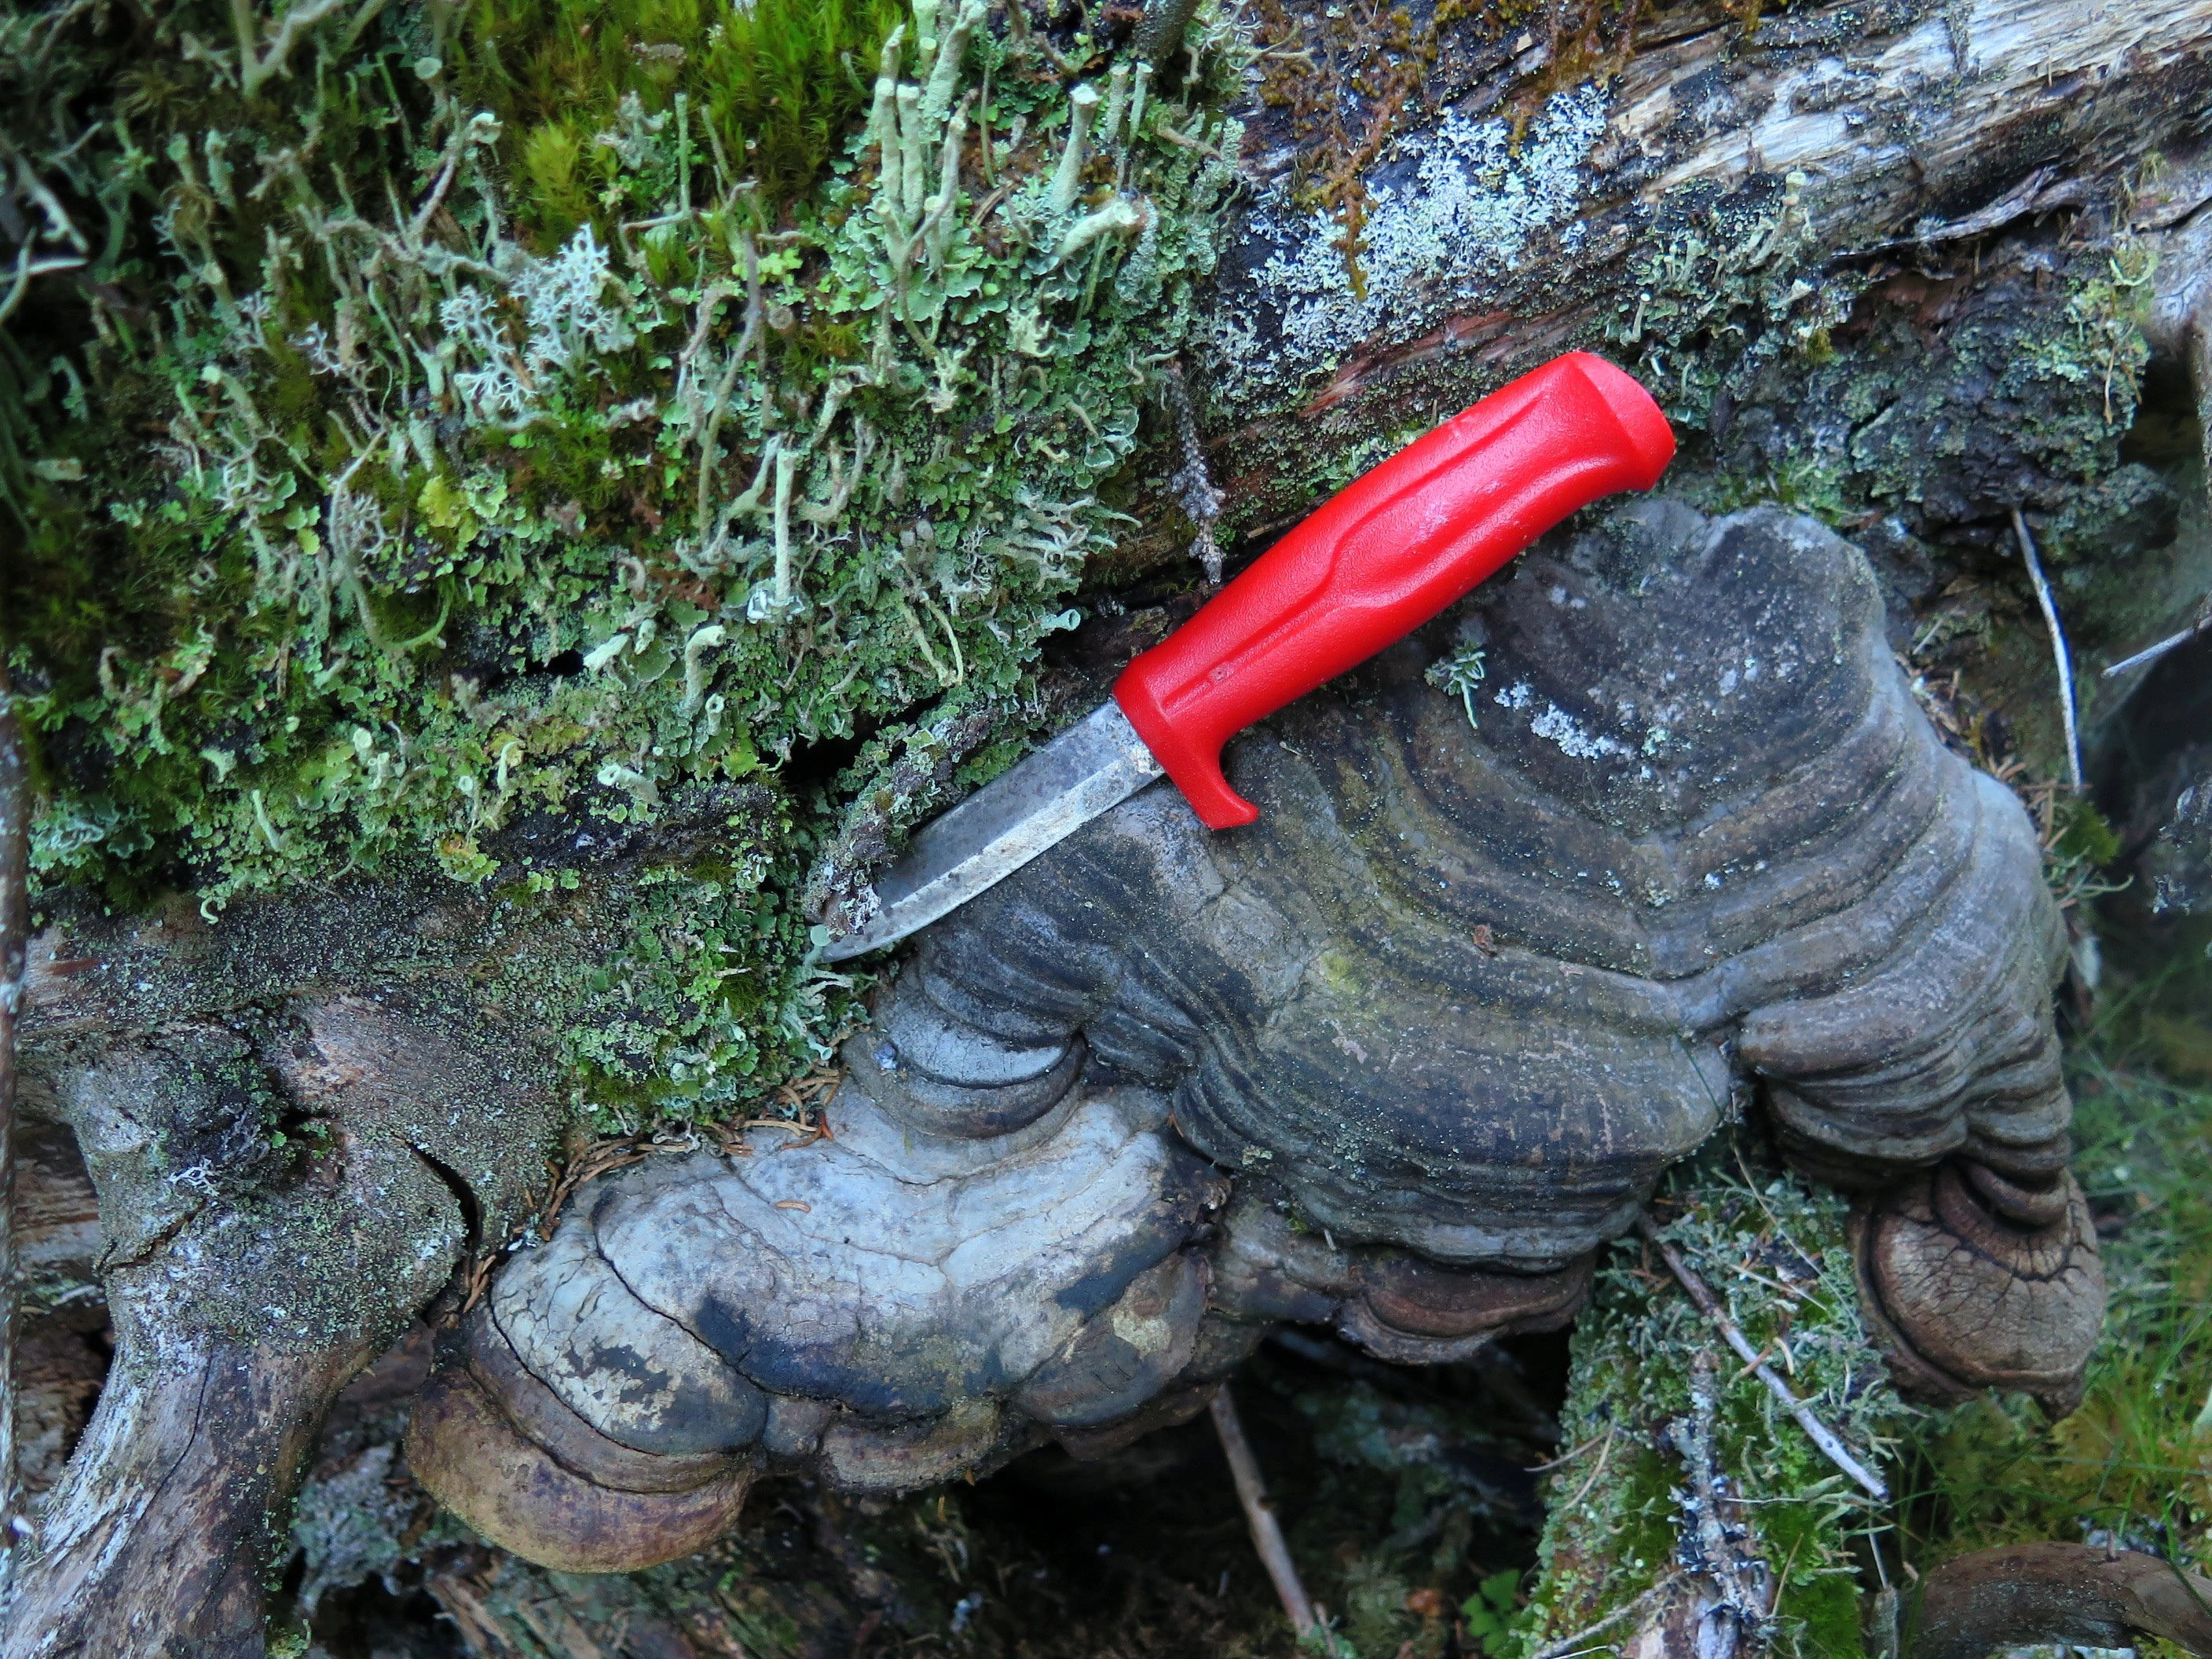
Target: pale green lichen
{"points": [[1739, 281], [457, 451], [1460, 675]]}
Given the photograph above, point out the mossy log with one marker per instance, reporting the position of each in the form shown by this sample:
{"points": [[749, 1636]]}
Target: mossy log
{"points": [[1716, 180], [1729, 176]]}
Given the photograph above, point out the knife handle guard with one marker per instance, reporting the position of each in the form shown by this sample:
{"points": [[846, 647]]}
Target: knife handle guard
{"points": [[1383, 557]]}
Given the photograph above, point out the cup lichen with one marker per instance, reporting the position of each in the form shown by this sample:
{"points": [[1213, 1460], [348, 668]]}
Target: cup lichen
{"points": [[487, 411]]}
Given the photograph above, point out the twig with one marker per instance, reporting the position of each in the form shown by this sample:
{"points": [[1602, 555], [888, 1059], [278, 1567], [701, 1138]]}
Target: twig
{"points": [[1167, 130], [1819, 1432], [1260, 1516], [1565, 1458], [14, 950], [1604, 1455], [2200, 623], [1569, 1644], [2059, 653]]}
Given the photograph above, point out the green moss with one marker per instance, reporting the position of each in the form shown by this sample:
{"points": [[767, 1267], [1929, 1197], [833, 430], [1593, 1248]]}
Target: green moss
{"points": [[1775, 1252], [769, 89], [2022, 399], [2134, 1462], [500, 423]]}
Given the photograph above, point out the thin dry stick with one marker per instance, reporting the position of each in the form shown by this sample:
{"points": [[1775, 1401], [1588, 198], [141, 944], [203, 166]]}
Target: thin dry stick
{"points": [[2200, 623], [1708, 1304], [1260, 1514], [2059, 653], [1567, 1646], [14, 949]]}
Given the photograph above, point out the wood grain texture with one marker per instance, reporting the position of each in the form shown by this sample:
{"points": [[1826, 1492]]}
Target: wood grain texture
{"points": [[1620, 211]]}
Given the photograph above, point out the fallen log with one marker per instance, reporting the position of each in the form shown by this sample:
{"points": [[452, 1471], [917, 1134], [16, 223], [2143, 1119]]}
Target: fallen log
{"points": [[1727, 178]]}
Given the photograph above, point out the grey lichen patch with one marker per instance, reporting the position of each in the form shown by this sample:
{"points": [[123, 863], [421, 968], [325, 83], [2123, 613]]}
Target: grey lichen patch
{"points": [[1451, 210], [349, 1525], [1774, 1250]]}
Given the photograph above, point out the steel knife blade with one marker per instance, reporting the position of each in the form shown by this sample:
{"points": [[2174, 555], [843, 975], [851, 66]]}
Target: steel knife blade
{"points": [[1372, 563]]}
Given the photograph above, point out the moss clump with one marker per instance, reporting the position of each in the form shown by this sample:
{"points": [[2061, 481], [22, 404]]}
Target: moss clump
{"points": [[1738, 284], [1774, 1251], [477, 417], [770, 88]]}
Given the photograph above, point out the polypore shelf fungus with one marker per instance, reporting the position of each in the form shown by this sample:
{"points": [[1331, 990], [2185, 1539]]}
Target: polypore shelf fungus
{"points": [[1535, 901]]}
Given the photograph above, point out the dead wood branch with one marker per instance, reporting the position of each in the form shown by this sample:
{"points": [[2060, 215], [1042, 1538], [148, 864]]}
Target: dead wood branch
{"points": [[2200, 623], [15, 948], [1708, 1304], [2059, 653], [1729, 1608], [246, 1287], [1816, 96]]}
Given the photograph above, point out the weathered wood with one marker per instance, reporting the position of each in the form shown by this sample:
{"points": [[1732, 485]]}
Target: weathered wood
{"points": [[248, 1277], [1650, 209], [61, 1349], [2025, 1594], [161, 1540]]}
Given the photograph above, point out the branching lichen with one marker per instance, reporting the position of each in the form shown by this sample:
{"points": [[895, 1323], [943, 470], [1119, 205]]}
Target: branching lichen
{"points": [[503, 411], [1738, 283]]}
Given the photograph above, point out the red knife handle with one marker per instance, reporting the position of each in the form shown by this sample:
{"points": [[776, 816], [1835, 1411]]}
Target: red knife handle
{"points": [[1383, 555]]}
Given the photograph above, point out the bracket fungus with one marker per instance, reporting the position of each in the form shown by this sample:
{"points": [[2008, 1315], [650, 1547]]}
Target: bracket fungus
{"points": [[1649, 834]]}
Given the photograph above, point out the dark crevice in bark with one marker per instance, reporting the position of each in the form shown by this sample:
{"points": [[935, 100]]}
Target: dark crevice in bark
{"points": [[463, 1194]]}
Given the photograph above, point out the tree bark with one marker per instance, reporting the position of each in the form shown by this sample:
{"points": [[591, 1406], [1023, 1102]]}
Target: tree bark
{"points": [[174, 1512], [249, 1276], [1719, 153]]}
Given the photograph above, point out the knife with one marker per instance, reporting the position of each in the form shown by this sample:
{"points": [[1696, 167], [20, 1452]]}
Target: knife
{"points": [[1373, 562]]}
